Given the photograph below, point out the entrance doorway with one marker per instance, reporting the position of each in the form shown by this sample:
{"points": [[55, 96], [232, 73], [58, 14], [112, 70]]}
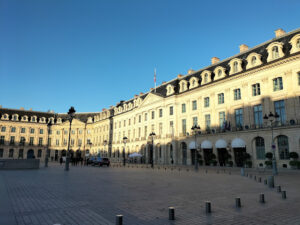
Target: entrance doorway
{"points": [[222, 156], [207, 156], [30, 154], [239, 156]]}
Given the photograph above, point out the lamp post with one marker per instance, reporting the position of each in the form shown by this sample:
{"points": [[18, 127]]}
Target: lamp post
{"points": [[272, 119], [71, 115], [124, 141], [47, 151], [152, 135], [195, 130], [105, 143]]}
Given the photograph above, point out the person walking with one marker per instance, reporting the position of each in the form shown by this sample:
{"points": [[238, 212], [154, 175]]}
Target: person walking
{"points": [[60, 160]]}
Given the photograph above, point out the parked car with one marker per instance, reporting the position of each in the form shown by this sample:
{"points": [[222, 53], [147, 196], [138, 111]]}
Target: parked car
{"points": [[101, 162], [91, 160]]}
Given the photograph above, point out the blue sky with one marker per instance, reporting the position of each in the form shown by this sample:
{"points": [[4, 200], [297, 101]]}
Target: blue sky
{"points": [[92, 54]]}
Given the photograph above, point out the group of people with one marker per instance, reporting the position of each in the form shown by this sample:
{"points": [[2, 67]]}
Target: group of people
{"points": [[73, 161]]}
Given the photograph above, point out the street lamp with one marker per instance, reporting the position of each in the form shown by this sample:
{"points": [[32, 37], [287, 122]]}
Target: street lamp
{"points": [[71, 115], [152, 135], [196, 130], [105, 143], [272, 119], [124, 141], [47, 151]]}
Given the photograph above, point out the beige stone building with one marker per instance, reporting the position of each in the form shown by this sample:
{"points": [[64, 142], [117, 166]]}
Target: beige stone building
{"points": [[227, 99]]}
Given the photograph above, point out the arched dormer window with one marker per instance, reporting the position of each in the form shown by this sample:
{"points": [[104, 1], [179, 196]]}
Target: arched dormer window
{"points": [[42, 120], [182, 85], [170, 89], [138, 102], [235, 66], [90, 119], [15, 117], [253, 60], [194, 82], [275, 51], [24, 118], [295, 42], [33, 119], [130, 105], [59, 120], [125, 107], [206, 77], [4, 117], [120, 109], [219, 72]]}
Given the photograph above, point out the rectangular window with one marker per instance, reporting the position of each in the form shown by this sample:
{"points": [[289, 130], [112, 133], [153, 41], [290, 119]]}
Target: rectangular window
{"points": [[146, 116], [13, 130], [124, 123], [146, 132], [222, 119], [2, 140], [31, 130], [22, 141], [58, 132], [258, 117], [57, 142], [49, 141], [129, 122], [139, 132], [73, 131], [12, 140], [66, 132], [237, 94], [277, 84], [11, 153], [140, 118], [184, 126], [183, 108], [119, 124], [40, 141], [160, 112], [3, 129], [206, 102], [39, 155], [22, 130], [298, 78], [239, 117], [1, 153], [195, 120], [207, 121], [41, 131], [72, 142], [171, 110], [280, 110], [21, 151], [171, 128], [221, 98], [160, 128], [152, 128], [152, 115], [194, 105], [80, 132], [256, 89], [31, 139]]}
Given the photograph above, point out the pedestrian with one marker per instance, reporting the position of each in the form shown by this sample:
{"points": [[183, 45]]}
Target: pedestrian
{"points": [[61, 160], [81, 161]]}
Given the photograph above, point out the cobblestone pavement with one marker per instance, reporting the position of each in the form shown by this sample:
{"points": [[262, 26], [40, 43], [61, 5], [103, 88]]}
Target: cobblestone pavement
{"points": [[93, 195]]}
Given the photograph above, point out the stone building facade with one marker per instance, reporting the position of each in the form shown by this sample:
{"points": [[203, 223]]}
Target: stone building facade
{"points": [[227, 99]]}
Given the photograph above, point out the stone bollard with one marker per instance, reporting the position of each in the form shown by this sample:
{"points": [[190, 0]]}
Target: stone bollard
{"points": [[259, 179], [271, 181], [119, 219], [207, 207], [238, 202], [262, 198], [278, 188], [229, 173], [171, 213], [283, 194]]}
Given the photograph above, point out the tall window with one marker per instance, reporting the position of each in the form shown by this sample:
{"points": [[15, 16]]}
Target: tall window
{"points": [[258, 118], [40, 141], [1, 153], [237, 94], [184, 126], [298, 78], [21, 151], [171, 128], [11, 153], [222, 119], [277, 84], [253, 60], [2, 140], [22, 141], [152, 115], [146, 132], [171, 110], [57, 142], [31, 139], [22, 130], [13, 130], [205, 78], [160, 128], [140, 118], [256, 89], [194, 105], [41, 131], [235, 67], [146, 115], [275, 52], [283, 147], [207, 121], [280, 109], [239, 117], [206, 102], [12, 140], [3, 129], [39, 155], [195, 120], [219, 73], [160, 112], [183, 108], [221, 98], [260, 148], [152, 128]]}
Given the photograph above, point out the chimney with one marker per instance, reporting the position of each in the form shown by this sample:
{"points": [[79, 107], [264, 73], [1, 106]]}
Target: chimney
{"points": [[30, 109], [135, 96], [179, 75], [103, 109], [141, 93], [215, 60], [243, 48], [190, 71], [21, 108], [279, 32], [163, 82], [0, 106]]}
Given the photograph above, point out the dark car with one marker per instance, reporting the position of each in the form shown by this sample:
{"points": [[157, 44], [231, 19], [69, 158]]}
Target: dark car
{"points": [[101, 162]]}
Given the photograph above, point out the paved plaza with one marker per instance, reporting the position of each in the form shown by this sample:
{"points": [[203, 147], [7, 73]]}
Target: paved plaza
{"points": [[93, 195]]}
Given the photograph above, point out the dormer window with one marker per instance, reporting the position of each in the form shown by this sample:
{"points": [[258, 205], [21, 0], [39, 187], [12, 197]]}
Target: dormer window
{"points": [[275, 52], [170, 89], [295, 42], [15, 117], [235, 66], [4, 117], [33, 119], [298, 43], [182, 85], [219, 73], [253, 60], [206, 77], [193, 83]]}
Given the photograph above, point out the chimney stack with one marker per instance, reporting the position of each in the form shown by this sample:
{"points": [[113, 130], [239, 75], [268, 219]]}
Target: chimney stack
{"points": [[190, 71], [215, 60], [179, 75], [163, 82], [135, 96], [141, 93], [243, 47], [279, 32]]}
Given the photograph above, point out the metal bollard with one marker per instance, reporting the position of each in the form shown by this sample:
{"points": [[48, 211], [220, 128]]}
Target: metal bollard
{"points": [[171, 213], [278, 188], [262, 198], [271, 181], [283, 194], [207, 207], [119, 219], [238, 202]]}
